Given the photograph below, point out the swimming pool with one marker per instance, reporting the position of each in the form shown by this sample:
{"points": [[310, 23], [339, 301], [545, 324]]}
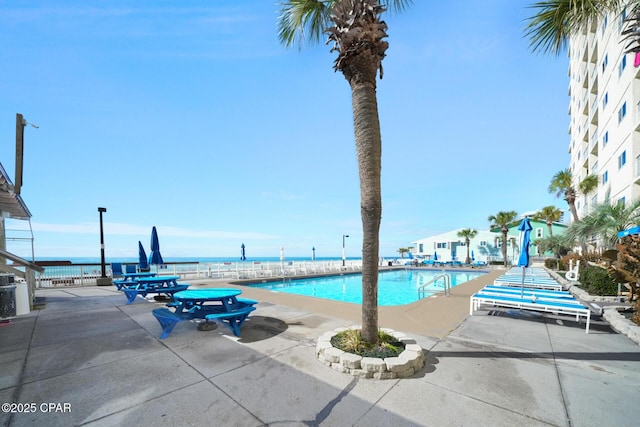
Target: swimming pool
{"points": [[397, 287]]}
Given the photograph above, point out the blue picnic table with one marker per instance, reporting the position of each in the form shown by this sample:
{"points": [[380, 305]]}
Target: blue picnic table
{"points": [[219, 305], [167, 285]]}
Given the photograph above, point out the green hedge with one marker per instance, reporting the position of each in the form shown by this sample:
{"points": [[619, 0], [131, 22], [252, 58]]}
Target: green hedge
{"points": [[596, 281]]}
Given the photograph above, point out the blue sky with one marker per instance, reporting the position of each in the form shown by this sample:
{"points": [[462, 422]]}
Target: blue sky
{"points": [[192, 117]]}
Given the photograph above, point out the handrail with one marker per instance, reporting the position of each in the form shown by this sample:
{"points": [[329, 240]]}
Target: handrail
{"points": [[447, 285], [21, 261]]}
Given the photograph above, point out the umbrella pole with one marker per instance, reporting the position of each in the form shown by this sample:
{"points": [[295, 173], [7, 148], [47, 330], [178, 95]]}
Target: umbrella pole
{"points": [[522, 287]]}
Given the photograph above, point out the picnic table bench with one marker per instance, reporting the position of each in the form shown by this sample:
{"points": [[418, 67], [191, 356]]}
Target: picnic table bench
{"points": [[217, 305], [144, 286]]}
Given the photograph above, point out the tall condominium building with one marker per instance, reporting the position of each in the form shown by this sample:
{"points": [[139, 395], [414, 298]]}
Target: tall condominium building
{"points": [[604, 109]]}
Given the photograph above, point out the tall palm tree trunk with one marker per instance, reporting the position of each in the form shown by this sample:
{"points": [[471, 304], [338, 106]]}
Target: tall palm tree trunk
{"points": [[369, 152], [574, 212], [505, 230], [467, 242]]}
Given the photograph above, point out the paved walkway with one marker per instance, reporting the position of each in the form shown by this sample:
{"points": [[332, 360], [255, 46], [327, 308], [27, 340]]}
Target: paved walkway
{"points": [[100, 362]]}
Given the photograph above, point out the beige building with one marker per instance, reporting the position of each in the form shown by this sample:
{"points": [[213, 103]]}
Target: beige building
{"points": [[604, 109]]}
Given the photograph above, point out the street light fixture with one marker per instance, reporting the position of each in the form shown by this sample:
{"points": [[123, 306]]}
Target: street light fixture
{"points": [[103, 277], [344, 258]]}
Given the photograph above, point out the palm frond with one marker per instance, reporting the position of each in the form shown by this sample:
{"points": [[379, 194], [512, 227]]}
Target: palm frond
{"points": [[301, 20], [306, 20], [555, 21]]}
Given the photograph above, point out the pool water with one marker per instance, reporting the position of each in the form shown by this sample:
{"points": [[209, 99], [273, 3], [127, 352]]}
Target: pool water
{"points": [[396, 287]]}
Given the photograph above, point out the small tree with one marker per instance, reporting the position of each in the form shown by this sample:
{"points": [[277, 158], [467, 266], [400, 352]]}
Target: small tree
{"points": [[402, 251], [502, 220], [467, 234]]}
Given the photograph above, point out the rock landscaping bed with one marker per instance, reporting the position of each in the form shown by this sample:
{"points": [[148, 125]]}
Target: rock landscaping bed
{"points": [[410, 361]]}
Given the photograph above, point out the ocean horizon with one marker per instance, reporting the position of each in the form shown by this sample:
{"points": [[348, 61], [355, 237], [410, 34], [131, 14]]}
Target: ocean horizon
{"points": [[134, 260]]}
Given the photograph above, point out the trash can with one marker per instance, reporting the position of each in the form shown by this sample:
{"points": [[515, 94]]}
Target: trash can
{"points": [[7, 296], [390, 263]]}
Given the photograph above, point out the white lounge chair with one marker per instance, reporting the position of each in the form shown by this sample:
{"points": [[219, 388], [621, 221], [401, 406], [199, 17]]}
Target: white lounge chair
{"points": [[570, 308], [529, 282], [529, 292]]}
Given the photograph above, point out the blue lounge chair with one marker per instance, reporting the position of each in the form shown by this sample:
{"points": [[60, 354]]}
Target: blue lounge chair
{"points": [[116, 270], [130, 268]]}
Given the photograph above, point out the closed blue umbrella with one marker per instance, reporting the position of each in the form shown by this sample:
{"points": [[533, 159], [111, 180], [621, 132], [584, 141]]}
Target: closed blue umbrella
{"points": [[525, 240], [435, 256], [155, 258], [473, 258], [242, 256], [142, 258], [313, 253]]}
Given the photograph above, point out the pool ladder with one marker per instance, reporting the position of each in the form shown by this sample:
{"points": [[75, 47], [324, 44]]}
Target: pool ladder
{"points": [[447, 285]]}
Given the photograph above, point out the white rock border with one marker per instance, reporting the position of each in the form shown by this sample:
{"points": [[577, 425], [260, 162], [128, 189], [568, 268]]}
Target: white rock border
{"points": [[410, 361]]}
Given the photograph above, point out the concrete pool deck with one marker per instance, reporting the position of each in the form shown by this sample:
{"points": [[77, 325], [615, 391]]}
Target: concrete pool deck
{"points": [[89, 352], [429, 316]]}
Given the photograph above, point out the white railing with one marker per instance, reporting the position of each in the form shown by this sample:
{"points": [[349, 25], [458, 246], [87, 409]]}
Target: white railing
{"points": [[87, 274]]}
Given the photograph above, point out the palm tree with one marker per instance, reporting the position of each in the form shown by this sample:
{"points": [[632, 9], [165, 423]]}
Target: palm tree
{"points": [[357, 33], [549, 214], [502, 220], [559, 245], [556, 20], [562, 185], [467, 234], [605, 221], [402, 251]]}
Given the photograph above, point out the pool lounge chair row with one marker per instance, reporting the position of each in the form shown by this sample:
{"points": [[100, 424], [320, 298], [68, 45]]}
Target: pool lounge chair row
{"points": [[533, 300], [532, 279]]}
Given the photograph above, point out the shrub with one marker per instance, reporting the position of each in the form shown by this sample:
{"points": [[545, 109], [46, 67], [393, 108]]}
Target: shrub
{"points": [[551, 263], [571, 259], [351, 341], [596, 281]]}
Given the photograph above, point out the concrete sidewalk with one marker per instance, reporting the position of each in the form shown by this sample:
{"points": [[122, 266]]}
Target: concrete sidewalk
{"points": [[101, 362]]}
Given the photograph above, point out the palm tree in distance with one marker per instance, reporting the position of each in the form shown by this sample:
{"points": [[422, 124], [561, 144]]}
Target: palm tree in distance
{"points": [[467, 234], [548, 214], [502, 220], [562, 185], [357, 33]]}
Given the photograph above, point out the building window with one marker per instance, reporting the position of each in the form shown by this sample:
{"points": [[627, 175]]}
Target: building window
{"points": [[605, 99], [483, 243], [622, 112], [622, 159], [605, 21], [605, 61], [605, 139], [420, 248], [605, 177], [539, 233], [622, 65], [622, 200]]}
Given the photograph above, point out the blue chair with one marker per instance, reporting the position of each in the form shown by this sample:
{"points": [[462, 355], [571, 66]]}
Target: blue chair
{"points": [[130, 268], [116, 270]]}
